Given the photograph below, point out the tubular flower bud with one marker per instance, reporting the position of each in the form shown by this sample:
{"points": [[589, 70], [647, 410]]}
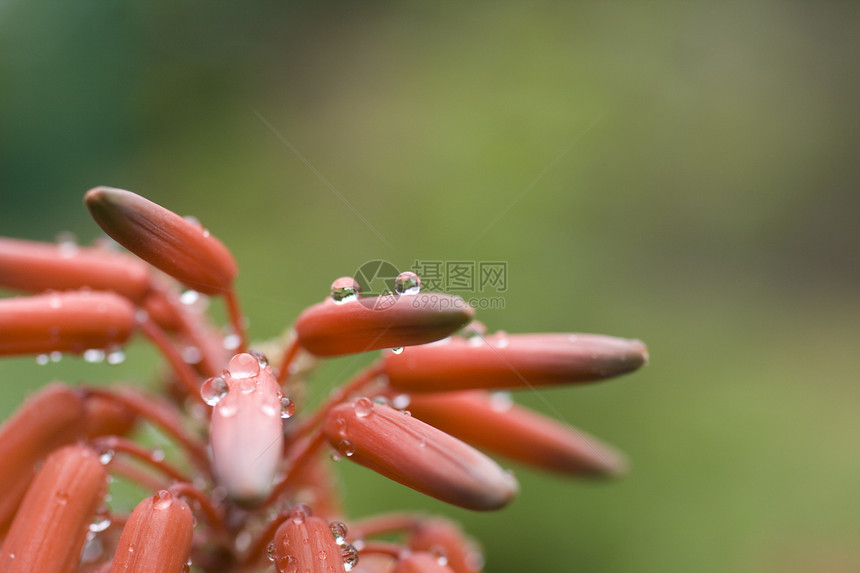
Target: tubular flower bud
{"points": [[52, 418], [422, 562], [445, 538], [177, 246], [106, 417], [332, 329], [36, 267], [51, 525], [305, 543], [418, 455], [513, 361], [64, 321], [496, 424], [246, 429], [157, 536]]}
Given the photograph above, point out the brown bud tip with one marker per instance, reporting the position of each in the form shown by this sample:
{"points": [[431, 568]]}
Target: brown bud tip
{"points": [[418, 455], [443, 537], [513, 361], [177, 246], [72, 321], [422, 562], [334, 328], [494, 423], [305, 543], [157, 536], [51, 418], [52, 523], [37, 267]]}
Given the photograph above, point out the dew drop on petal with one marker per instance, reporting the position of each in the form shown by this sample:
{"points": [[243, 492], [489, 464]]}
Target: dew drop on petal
{"points": [[243, 365], [401, 401], [288, 564], [322, 555], [349, 554], [56, 356], [62, 497], [106, 456], [162, 500], [99, 523], [300, 512], [42, 359], [382, 401], [501, 401], [270, 551], [192, 355], [157, 455], [407, 283], [345, 289], [115, 357], [335, 457], [261, 358], [213, 390], [346, 448], [189, 297], [397, 350], [288, 408], [231, 342], [94, 355], [338, 530], [363, 407]]}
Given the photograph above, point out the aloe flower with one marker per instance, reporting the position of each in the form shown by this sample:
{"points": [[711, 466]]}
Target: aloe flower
{"points": [[248, 482]]}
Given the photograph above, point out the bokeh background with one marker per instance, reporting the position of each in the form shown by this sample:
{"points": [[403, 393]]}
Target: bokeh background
{"points": [[681, 172]]}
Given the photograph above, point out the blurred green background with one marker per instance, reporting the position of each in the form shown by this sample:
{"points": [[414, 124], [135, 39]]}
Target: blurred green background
{"points": [[681, 172]]}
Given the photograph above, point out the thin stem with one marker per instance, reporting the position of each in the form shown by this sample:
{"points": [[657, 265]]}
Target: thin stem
{"points": [[290, 353], [383, 524], [237, 319], [137, 475], [187, 377], [256, 548], [213, 514], [382, 548], [298, 455], [117, 444]]}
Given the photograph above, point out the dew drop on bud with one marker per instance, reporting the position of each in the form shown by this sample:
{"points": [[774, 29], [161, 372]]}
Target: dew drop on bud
{"points": [[338, 530], [407, 283], [67, 243], [42, 359], [94, 355], [345, 289], [363, 407], [243, 365], [106, 456], [349, 554], [213, 390], [231, 342], [157, 455], [189, 297], [56, 356], [288, 408], [346, 448], [162, 500], [300, 512], [115, 357], [261, 358], [397, 350], [99, 523], [501, 401], [270, 551], [401, 401], [288, 564]]}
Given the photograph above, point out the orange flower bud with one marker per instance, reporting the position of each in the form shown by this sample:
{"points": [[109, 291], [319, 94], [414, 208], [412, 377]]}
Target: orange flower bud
{"points": [[246, 430], [182, 249], [305, 543], [502, 427], [422, 562], [445, 539], [105, 417], [51, 525], [37, 267], [334, 328], [418, 455], [513, 361], [157, 536], [64, 321], [52, 418]]}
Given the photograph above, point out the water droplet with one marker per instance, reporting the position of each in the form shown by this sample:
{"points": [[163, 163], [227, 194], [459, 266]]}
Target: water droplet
{"points": [[300, 512], [189, 297], [115, 357], [192, 355], [397, 350], [335, 457], [363, 407], [42, 359], [56, 356], [55, 301], [261, 358], [213, 390], [346, 448], [93, 549], [62, 497], [288, 408], [231, 342], [349, 554], [401, 401], [243, 365], [243, 540], [474, 328], [382, 401], [501, 401], [106, 456], [288, 564], [345, 289], [341, 426], [270, 551], [162, 500], [100, 523], [157, 455], [94, 355], [438, 552], [322, 555], [407, 283], [67, 243], [227, 409], [338, 530]]}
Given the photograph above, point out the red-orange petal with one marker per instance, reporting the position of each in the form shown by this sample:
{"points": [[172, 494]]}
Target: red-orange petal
{"points": [[34, 266], [182, 249], [417, 455], [105, 417], [70, 321], [372, 323], [304, 543], [441, 536], [513, 361], [157, 536], [53, 417], [52, 523], [502, 427]]}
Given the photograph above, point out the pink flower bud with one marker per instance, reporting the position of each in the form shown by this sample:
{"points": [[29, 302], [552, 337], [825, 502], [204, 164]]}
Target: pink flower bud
{"points": [[182, 249], [157, 536], [502, 427], [305, 544], [331, 329], [418, 455], [246, 430], [513, 361], [52, 523], [64, 321]]}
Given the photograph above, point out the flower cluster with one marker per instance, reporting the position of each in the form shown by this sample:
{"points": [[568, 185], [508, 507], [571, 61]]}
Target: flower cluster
{"points": [[247, 483]]}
